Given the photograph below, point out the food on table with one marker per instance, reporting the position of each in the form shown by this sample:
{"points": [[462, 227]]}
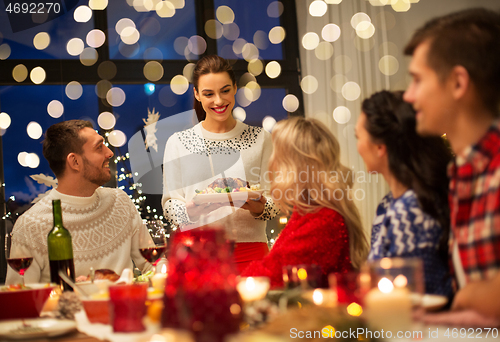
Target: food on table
{"points": [[145, 277], [102, 273], [14, 287], [227, 185], [106, 274]]}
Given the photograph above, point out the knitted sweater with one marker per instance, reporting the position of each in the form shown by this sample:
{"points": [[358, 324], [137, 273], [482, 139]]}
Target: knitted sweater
{"points": [[104, 229], [402, 229], [319, 238], [195, 157]]}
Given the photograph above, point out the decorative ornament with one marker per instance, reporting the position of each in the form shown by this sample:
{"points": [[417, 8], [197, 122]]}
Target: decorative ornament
{"points": [[45, 180], [150, 127]]}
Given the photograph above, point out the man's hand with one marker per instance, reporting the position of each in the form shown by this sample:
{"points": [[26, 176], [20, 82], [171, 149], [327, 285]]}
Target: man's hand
{"points": [[465, 318], [482, 296]]}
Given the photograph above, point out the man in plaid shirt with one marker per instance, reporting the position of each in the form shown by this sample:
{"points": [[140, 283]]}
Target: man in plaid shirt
{"points": [[455, 89]]}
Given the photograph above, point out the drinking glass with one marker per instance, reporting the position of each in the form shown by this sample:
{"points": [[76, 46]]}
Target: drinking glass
{"points": [[154, 245], [128, 306], [394, 300], [303, 276], [19, 259], [350, 287]]}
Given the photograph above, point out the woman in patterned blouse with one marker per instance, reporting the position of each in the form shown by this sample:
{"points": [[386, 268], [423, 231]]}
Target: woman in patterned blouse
{"points": [[412, 220], [309, 181]]}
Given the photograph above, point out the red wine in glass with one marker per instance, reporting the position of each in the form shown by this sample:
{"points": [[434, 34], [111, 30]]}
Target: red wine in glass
{"points": [[153, 254], [18, 258], [20, 265]]}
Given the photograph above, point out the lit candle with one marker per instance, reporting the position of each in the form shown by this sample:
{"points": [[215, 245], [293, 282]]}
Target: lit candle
{"points": [[253, 288], [51, 303], [388, 307], [321, 297], [160, 278]]}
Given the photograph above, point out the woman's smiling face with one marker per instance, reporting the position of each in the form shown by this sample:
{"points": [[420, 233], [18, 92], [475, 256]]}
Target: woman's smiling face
{"points": [[216, 93]]}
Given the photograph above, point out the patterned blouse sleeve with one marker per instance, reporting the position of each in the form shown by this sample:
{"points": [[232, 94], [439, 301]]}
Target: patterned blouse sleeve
{"points": [[173, 199], [270, 209]]}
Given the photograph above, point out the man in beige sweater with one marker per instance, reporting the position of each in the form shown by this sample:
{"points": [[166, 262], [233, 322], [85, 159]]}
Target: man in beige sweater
{"points": [[104, 224]]}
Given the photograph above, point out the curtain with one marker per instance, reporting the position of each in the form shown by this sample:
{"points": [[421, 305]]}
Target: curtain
{"points": [[341, 73], [353, 59]]}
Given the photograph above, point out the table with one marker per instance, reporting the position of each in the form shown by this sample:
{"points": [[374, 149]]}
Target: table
{"points": [[70, 337]]}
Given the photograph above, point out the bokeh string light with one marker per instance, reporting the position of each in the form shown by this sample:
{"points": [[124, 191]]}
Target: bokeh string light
{"points": [[228, 28]]}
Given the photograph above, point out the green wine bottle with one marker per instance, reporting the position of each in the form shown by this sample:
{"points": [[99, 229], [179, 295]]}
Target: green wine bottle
{"points": [[60, 250]]}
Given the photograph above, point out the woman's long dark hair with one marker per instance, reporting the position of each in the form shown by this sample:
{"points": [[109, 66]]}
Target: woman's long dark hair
{"points": [[211, 64], [417, 162]]}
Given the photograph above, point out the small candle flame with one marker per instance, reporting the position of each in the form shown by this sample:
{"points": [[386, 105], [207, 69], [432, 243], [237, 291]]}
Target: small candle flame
{"points": [[250, 284], [354, 309], [302, 274], [317, 297], [164, 268], [385, 285], [400, 281]]}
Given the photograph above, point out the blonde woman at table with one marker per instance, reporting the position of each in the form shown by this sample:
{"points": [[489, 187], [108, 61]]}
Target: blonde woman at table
{"points": [[309, 181], [412, 220], [219, 146]]}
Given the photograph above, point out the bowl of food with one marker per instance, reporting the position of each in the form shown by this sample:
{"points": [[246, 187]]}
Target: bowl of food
{"points": [[97, 309], [90, 288], [24, 301]]}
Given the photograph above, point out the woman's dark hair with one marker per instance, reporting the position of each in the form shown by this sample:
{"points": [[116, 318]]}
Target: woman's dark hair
{"points": [[211, 64], [417, 162]]}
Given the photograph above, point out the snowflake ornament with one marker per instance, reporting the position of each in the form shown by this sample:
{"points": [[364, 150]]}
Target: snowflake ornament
{"points": [[150, 127]]}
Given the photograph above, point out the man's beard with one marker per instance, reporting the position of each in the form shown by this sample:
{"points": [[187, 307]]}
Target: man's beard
{"points": [[95, 175]]}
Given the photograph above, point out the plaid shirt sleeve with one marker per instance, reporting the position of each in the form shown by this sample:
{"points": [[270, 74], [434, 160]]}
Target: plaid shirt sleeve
{"points": [[475, 207]]}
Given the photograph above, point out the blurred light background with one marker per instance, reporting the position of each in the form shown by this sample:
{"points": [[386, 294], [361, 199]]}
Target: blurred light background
{"points": [[113, 62]]}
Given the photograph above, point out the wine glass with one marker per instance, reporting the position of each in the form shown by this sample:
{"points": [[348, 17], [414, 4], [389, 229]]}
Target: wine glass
{"points": [[18, 258], [154, 245]]}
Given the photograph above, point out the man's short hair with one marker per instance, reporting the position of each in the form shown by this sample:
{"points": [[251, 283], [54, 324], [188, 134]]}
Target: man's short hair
{"points": [[62, 139], [470, 38]]}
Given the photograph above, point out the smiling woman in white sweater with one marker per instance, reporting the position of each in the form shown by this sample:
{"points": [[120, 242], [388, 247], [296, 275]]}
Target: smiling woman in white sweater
{"points": [[218, 147]]}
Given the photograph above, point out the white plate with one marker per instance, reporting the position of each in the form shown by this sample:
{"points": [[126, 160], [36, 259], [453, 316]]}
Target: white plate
{"points": [[227, 196], [37, 327], [429, 302], [433, 302]]}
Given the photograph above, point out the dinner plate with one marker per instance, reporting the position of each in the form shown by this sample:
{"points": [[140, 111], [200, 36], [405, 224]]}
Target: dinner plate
{"points": [[433, 302], [227, 196], [35, 328]]}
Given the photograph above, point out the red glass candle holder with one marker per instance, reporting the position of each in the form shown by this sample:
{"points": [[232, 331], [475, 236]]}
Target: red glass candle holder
{"points": [[200, 293], [128, 306]]}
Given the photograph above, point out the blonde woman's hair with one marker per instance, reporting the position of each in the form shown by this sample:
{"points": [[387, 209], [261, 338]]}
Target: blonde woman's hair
{"points": [[307, 175]]}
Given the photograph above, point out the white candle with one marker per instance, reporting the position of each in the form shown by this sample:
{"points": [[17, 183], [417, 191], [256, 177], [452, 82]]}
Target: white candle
{"points": [[159, 279], [321, 297], [388, 308], [253, 288], [51, 303]]}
